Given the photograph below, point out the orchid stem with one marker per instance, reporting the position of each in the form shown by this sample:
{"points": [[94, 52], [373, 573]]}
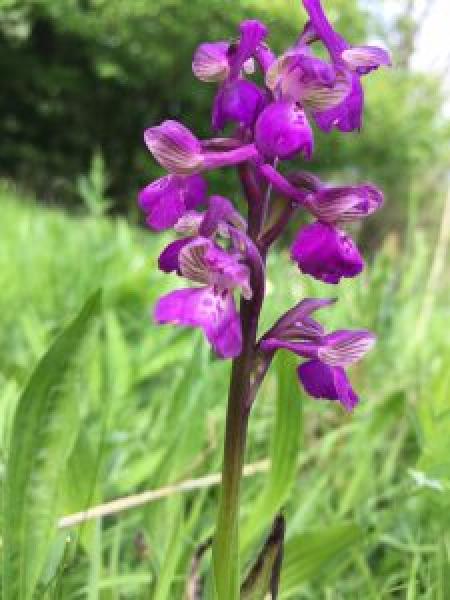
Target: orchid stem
{"points": [[243, 387], [226, 540]]}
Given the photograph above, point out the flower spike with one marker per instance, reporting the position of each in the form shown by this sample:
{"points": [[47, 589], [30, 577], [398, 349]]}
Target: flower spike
{"points": [[223, 255]]}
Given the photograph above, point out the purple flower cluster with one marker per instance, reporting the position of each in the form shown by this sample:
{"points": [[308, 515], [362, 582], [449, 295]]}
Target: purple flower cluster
{"points": [[223, 253]]}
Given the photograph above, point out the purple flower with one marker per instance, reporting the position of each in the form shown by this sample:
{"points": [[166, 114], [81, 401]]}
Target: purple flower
{"points": [[346, 116], [167, 199], [220, 61], [326, 253], [282, 131], [212, 307], [176, 149], [239, 100], [323, 375], [338, 349], [301, 77], [271, 123], [330, 205]]}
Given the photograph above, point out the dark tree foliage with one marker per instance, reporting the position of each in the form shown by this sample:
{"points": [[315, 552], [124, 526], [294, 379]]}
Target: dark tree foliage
{"points": [[84, 74]]}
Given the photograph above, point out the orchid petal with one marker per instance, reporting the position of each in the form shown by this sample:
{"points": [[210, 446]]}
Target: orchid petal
{"points": [[343, 348], [169, 259], [210, 63], [175, 148], [331, 383], [363, 59], [167, 199], [215, 313]]}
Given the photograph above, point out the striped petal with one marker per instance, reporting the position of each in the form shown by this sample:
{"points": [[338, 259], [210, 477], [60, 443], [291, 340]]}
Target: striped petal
{"points": [[344, 348]]}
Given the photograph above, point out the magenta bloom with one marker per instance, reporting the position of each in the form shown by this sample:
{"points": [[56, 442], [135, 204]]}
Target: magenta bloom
{"points": [[167, 199], [301, 77], [353, 62], [323, 374], [328, 204], [282, 131], [211, 307], [326, 253], [237, 100], [177, 149]]}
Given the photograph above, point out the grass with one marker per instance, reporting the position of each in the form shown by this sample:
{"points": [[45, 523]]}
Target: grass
{"points": [[137, 408]]}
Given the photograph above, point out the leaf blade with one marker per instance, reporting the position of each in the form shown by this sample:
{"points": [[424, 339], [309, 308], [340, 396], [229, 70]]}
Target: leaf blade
{"points": [[42, 439]]}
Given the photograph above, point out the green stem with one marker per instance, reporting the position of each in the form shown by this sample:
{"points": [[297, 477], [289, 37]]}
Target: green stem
{"points": [[226, 539], [245, 381]]}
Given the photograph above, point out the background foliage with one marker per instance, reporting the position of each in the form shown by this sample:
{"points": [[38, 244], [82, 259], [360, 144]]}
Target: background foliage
{"points": [[367, 497], [104, 405]]}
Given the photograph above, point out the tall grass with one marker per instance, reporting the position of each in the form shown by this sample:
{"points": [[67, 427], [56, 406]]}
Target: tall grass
{"points": [[128, 407]]}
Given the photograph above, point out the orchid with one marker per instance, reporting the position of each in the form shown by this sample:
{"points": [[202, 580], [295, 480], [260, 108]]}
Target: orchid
{"points": [[224, 254]]}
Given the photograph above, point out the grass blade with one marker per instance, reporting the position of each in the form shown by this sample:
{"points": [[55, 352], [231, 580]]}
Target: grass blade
{"points": [[308, 554], [285, 446]]}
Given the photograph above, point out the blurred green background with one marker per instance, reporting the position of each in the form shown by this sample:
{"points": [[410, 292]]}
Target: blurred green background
{"points": [[122, 406]]}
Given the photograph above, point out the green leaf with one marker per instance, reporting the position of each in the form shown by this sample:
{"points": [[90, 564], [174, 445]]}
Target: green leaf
{"points": [[307, 555], [44, 431], [285, 445], [81, 486]]}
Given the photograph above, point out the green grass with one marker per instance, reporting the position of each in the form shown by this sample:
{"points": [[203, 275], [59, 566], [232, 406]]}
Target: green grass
{"points": [[128, 407]]}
